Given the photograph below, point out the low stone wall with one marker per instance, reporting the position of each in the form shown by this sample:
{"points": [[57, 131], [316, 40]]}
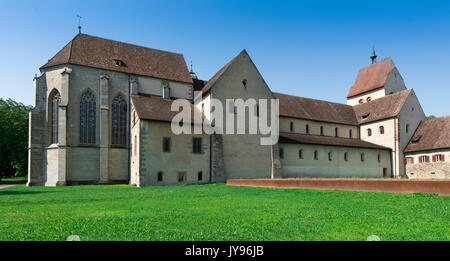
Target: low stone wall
{"points": [[441, 187], [432, 170]]}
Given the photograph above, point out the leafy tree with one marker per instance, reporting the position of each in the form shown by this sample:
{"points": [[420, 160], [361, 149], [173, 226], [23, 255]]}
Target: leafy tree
{"points": [[431, 117], [13, 138]]}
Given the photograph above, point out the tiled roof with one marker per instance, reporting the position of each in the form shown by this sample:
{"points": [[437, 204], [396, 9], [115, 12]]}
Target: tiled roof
{"points": [[157, 108], [381, 108], [372, 77], [316, 110], [431, 134], [326, 140], [101, 53]]}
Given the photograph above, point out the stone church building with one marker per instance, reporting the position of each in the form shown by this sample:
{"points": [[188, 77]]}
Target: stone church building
{"points": [[102, 115]]}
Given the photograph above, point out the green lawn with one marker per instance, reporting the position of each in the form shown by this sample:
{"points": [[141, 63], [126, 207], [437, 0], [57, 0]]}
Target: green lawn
{"points": [[218, 212]]}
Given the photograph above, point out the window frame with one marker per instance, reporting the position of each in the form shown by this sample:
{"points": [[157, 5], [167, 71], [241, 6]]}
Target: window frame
{"points": [[54, 98], [88, 124], [119, 116]]}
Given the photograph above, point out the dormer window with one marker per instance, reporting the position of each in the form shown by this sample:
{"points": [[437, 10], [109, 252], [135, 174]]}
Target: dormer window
{"points": [[365, 116], [119, 63], [416, 140]]}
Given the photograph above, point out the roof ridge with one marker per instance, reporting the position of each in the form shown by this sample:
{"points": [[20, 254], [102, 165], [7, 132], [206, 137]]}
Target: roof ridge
{"points": [[372, 65], [122, 42], [312, 99], [69, 45], [71, 49]]}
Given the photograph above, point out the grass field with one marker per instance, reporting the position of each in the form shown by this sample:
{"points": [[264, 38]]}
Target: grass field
{"points": [[218, 212]]}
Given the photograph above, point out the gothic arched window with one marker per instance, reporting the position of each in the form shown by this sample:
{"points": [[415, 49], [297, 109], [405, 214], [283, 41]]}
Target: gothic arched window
{"points": [[87, 117], [54, 103], [119, 121]]}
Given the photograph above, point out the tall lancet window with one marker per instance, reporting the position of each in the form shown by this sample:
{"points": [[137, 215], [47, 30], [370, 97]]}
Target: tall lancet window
{"points": [[119, 121], [54, 103], [87, 117]]}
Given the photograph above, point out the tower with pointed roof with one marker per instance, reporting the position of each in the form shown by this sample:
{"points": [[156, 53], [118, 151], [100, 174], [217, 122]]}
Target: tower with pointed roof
{"points": [[375, 81]]}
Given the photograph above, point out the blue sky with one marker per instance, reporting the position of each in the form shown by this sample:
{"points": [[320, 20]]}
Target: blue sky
{"points": [[306, 48]]}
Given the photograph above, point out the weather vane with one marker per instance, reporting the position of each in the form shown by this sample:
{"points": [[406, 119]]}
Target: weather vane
{"points": [[79, 23]]}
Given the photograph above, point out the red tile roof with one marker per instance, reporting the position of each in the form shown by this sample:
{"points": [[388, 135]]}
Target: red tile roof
{"points": [[430, 135], [372, 77], [382, 108], [316, 110], [100, 53], [157, 108], [326, 140]]}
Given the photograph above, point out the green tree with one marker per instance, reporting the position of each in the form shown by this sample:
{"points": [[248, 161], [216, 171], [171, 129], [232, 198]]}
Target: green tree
{"points": [[13, 138], [431, 117]]}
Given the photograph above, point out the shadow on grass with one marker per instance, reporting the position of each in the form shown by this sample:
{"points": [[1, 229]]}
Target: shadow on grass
{"points": [[12, 182], [15, 192]]}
